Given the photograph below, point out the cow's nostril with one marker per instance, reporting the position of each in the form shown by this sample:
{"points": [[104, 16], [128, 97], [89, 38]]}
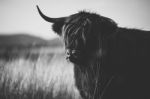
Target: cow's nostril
{"points": [[67, 52]]}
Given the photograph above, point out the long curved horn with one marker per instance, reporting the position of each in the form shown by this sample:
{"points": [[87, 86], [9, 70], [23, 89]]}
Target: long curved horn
{"points": [[53, 20]]}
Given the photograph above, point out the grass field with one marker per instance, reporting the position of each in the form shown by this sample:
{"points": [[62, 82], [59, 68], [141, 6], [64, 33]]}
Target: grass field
{"points": [[41, 73]]}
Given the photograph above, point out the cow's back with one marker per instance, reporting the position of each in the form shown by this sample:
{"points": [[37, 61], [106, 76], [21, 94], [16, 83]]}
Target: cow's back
{"points": [[128, 59]]}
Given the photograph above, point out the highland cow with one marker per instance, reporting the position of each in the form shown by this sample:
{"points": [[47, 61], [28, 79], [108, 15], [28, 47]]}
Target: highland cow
{"points": [[110, 62]]}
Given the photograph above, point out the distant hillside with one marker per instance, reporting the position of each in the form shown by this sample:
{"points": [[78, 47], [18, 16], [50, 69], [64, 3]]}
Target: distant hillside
{"points": [[55, 42], [25, 40]]}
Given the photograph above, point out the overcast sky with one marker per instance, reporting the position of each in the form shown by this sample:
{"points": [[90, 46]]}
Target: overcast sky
{"points": [[20, 16]]}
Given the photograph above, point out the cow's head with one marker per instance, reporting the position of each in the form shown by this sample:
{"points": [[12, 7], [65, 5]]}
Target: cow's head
{"points": [[82, 32]]}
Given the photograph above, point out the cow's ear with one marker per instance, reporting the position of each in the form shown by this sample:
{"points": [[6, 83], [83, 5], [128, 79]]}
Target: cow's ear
{"points": [[57, 27], [108, 26]]}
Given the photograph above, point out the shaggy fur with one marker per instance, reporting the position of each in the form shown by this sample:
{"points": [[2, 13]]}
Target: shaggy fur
{"points": [[110, 62]]}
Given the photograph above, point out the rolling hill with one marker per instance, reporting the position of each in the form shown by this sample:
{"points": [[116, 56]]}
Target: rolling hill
{"points": [[25, 40], [23, 45]]}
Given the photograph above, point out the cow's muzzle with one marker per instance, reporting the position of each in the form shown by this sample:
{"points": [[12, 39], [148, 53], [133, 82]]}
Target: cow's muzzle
{"points": [[73, 55]]}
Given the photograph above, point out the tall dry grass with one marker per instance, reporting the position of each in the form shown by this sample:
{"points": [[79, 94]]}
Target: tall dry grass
{"points": [[50, 76]]}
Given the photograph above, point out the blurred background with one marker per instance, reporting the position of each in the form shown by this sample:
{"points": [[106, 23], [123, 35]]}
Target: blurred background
{"points": [[21, 15], [32, 57]]}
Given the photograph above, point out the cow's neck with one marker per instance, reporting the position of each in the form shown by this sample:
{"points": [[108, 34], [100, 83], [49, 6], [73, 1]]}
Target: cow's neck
{"points": [[90, 76]]}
